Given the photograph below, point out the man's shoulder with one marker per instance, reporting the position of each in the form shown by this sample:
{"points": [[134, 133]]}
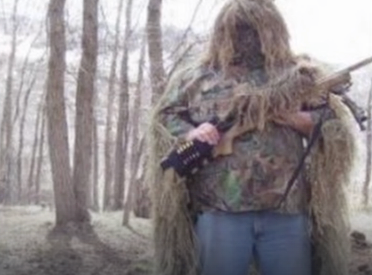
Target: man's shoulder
{"points": [[188, 76], [190, 71]]}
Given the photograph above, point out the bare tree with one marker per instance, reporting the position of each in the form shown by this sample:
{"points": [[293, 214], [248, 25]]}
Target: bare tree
{"points": [[21, 111], [40, 158], [21, 139], [33, 187], [84, 110], [183, 40], [6, 131], [158, 78], [122, 133], [110, 101], [94, 204], [56, 113], [365, 193], [25, 68], [155, 48], [131, 194], [30, 180], [142, 203]]}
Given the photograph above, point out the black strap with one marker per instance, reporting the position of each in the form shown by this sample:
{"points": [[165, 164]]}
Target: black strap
{"points": [[314, 136]]}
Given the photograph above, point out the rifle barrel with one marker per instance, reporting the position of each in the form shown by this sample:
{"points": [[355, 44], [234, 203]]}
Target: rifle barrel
{"points": [[359, 64], [331, 78]]}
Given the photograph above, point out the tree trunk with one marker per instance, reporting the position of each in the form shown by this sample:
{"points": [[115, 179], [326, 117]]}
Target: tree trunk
{"points": [[21, 137], [84, 110], [142, 202], [131, 195], [154, 39], [158, 78], [56, 112], [22, 75], [122, 133], [94, 181], [6, 131], [365, 193], [110, 100], [40, 158], [31, 194]]}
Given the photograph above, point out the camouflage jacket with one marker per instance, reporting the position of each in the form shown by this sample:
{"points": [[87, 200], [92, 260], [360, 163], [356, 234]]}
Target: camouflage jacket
{"points": [[255, 176]]}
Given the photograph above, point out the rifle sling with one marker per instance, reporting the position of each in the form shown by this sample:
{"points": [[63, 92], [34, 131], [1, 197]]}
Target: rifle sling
{"points": [[314, 136]]}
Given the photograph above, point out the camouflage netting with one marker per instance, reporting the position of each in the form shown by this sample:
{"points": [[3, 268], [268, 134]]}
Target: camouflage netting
{"points": [[286, 91], [173, 233]]}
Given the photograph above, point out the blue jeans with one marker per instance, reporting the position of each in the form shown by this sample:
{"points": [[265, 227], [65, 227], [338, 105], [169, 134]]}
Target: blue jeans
{"points": [[228, 243]]}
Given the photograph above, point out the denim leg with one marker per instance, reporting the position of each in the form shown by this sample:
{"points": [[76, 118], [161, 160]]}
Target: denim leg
{"points": [[225, 243], [283, 244]]}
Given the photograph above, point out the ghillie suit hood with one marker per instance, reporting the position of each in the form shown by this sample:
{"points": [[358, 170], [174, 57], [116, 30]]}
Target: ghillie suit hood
{"points": [[329, 163], [267, 22]]}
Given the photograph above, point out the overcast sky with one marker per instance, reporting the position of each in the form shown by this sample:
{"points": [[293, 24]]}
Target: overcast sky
{"points": [[335, 31]]}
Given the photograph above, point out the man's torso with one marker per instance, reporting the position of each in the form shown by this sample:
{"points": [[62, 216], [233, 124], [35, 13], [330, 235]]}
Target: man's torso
{"points": [[255, 176]]}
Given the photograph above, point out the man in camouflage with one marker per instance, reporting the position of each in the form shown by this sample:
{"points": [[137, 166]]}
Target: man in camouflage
{"points": [[254, 177], [238, 199], [245, 187]]}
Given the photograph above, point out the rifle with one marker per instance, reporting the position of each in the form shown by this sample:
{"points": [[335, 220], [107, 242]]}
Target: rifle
{"points": [[342, 76], [189, 156], [333, 82]]}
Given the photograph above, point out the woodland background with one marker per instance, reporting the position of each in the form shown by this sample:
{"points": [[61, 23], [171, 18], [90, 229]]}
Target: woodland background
{"points": [[78, 82]]}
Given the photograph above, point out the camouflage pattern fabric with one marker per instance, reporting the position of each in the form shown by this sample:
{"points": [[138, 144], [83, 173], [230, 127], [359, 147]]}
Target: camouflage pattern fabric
{"points": [[255, 176]]}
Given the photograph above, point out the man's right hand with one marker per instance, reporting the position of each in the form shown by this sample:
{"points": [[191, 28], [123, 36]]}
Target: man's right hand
{"points": [[205, 132]]}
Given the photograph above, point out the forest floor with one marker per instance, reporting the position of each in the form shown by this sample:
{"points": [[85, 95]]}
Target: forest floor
{"points": [[27, 246]]}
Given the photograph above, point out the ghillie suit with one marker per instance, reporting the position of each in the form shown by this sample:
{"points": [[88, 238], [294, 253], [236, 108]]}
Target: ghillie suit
{"points": [[287, 89]]}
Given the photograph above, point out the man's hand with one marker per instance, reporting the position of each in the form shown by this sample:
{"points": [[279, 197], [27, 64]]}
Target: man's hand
{"points": [[205, 132], [300, 121]]}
